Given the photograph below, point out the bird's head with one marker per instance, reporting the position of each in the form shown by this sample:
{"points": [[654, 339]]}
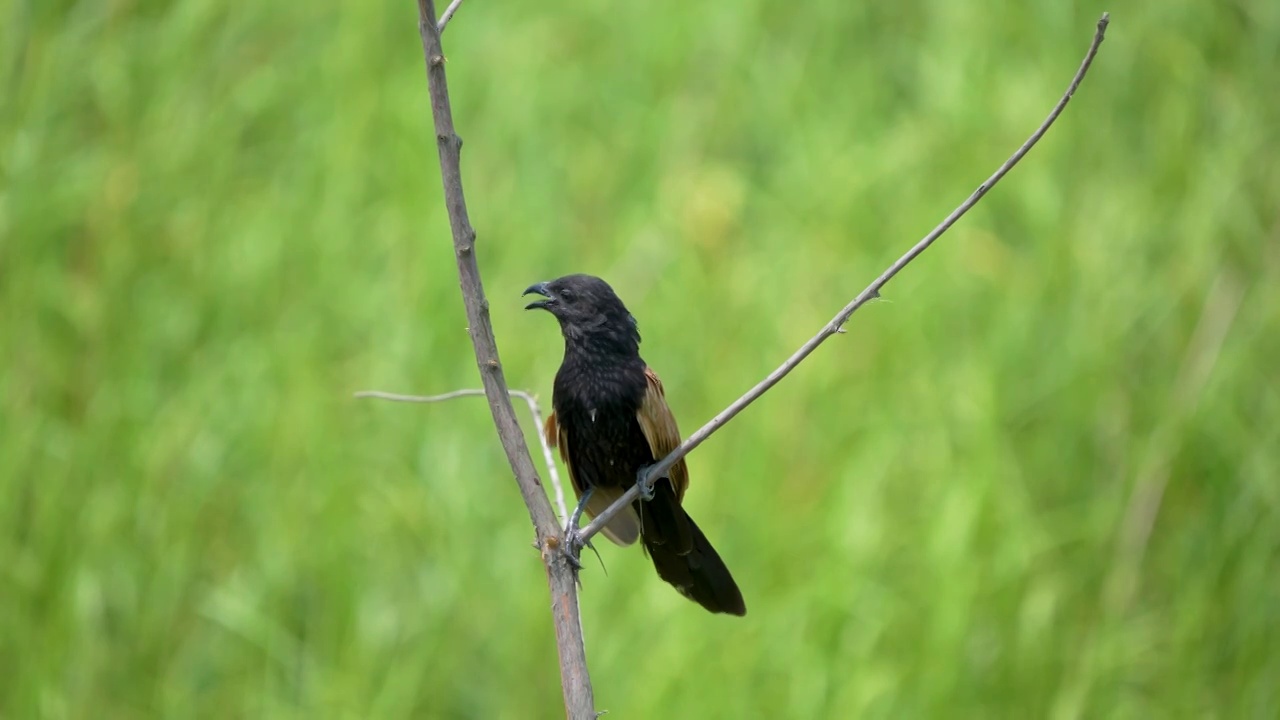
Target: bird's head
{"points": [[585, 305]]}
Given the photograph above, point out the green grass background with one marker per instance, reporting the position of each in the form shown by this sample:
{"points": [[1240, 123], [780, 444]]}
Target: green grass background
{"points": [[1039, 480]]}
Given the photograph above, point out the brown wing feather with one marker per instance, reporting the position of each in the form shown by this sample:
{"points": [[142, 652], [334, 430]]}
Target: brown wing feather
{"points": [[551, 431], [659, 427], [624, 528]]}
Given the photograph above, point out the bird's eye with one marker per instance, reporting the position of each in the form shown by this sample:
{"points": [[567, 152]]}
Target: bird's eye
{"points": [[567, 295]]}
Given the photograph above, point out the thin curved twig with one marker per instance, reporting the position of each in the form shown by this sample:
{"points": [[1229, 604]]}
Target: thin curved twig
{"points": [[448, 15], [534, 412], [870, 293]]}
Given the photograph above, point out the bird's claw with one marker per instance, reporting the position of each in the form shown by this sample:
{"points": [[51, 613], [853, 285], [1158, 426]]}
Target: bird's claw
{"points": [[573, 544], [646, 488], [572, 559]]}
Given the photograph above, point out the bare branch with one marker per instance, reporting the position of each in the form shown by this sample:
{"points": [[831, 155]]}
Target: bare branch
{"points": [[534, 412], [575, 681], [873, 291], [448, 15]]}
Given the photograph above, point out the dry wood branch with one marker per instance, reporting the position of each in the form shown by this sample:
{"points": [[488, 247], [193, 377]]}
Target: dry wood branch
{"points": [[561, 574], [535, 414], [871, 292]]}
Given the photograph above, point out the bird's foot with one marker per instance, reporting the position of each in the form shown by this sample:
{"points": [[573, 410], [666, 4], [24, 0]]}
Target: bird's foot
{"points": [[574, 542], [646, 487], [572, 549]]}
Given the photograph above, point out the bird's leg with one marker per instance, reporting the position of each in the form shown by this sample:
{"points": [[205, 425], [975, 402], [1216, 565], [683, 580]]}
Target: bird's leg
{"points": [[576, 515], [646, 487], [573, 538]]}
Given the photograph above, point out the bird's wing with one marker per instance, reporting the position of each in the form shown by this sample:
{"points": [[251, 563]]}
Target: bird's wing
{"points": [[624, 528], [659, 427]]}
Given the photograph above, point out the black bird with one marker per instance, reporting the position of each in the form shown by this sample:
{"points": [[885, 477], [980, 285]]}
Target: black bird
{"points": [[611, 421]]}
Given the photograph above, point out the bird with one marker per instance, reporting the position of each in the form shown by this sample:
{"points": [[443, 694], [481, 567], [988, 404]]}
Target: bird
{"points": [[610, 422]]}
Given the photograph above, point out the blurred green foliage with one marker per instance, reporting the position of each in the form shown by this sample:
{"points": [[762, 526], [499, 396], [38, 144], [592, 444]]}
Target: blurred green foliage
{"points": [[1038, 480]]}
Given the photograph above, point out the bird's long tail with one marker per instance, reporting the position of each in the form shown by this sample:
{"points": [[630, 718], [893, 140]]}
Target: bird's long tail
{"points": [[684, 557]]}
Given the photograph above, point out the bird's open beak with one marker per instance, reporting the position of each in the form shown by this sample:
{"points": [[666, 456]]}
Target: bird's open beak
{"points": [[538, 289]]}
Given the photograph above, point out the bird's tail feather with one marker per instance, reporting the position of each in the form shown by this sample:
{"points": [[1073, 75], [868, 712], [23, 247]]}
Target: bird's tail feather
{"points": [[698, 573], [663, 521]]}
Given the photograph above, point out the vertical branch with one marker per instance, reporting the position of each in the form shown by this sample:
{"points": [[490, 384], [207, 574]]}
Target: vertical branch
{"points": [[561, 576]]}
